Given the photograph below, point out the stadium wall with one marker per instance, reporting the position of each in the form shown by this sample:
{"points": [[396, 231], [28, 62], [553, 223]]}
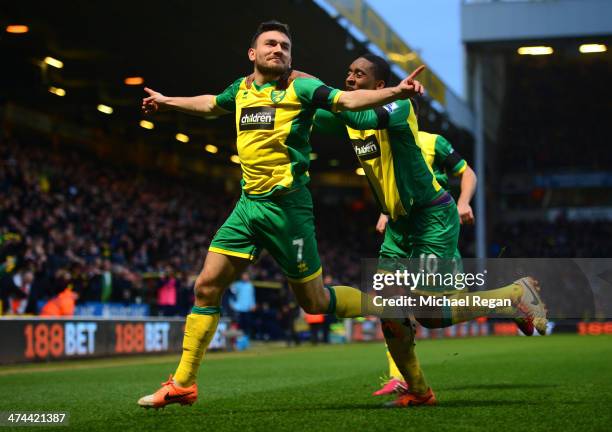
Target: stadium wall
{"points": [[487, 21], [39, 339]]}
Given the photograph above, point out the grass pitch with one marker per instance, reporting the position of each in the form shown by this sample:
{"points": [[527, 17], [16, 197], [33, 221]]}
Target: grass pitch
{"points": [[495, 383]]}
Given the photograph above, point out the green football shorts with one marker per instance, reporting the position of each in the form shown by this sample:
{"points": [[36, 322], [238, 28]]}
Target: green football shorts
{"points": [[426, 231], [426, 234], [282, 224]]}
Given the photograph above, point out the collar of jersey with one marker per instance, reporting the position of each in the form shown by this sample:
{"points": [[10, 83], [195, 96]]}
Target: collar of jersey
{"points": [[263, 86]]}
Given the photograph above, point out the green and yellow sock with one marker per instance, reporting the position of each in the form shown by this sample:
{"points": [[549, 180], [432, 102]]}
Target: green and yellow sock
{"points": [[349, 302], [399, 335], [200, 328], [466, 313], [393, 370]]}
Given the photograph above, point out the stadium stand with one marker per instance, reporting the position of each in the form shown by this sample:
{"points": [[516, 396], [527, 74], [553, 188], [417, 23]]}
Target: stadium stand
{"points": [[78, 219], [74, 219]]}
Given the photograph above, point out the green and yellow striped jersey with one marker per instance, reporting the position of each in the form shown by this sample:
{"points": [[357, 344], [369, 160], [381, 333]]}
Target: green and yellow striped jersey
{"points": [[385, 141], [439, 153], [273, 123]]}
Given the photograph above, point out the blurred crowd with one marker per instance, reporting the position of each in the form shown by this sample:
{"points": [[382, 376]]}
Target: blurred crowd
{"points": [[102, 230], [569, 133], [559, 239], [114, 235], [111, 234]]}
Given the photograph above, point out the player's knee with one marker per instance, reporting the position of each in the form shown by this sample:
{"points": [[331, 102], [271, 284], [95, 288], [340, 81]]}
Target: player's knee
{"points": [[315, 306], [313, 309], [206, 289], [311, 296]]}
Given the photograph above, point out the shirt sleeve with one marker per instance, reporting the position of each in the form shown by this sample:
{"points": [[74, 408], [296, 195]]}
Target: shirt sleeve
{"points": [[313, 93], [448, 158], [227, 98], [327, 123], [393, 115], [360, 120], [398, 111]]}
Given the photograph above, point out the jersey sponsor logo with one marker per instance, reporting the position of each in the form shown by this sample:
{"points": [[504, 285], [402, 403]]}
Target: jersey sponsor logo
{"points": [[366, 149], [255, 118], [391, 107], [277, 95]]}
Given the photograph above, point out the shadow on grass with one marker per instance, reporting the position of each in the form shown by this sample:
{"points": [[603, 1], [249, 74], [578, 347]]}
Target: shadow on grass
{"points": [[368, 407], [497, 386], [481, 403]]}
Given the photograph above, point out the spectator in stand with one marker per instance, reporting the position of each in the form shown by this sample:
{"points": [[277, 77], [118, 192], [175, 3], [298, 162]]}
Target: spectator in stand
{"points": [[288, 313], [18, 302], [243, 303], [167, 293], [106, 279], [315, 326], [61, 305]]}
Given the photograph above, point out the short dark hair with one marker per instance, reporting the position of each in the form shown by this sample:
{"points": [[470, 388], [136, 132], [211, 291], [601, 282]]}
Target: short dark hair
{"points": [[272, 25], [382, 70]]}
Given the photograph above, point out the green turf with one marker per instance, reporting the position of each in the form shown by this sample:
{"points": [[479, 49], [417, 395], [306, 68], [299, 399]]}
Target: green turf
{"points": [[506, 384]]}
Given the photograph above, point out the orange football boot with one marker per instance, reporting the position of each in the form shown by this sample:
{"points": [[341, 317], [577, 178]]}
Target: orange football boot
{"points": [[408, 399], [530, 306], [392, 385], [170, 393]]}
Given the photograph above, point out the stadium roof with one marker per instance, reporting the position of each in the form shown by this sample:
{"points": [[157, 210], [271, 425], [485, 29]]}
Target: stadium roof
{"points": [[487, 21], [179, 48]]}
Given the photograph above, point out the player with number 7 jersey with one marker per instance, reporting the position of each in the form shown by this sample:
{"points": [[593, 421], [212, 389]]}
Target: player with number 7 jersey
{"points": [[274, 109]]}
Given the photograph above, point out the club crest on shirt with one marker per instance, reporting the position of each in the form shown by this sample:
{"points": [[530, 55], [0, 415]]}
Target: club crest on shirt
{"points": [[366, 149], [277, 95]]}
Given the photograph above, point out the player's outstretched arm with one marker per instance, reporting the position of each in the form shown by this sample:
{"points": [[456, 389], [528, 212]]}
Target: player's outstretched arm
{"points": [[468, 187], [358, 100], [203, 105]]}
